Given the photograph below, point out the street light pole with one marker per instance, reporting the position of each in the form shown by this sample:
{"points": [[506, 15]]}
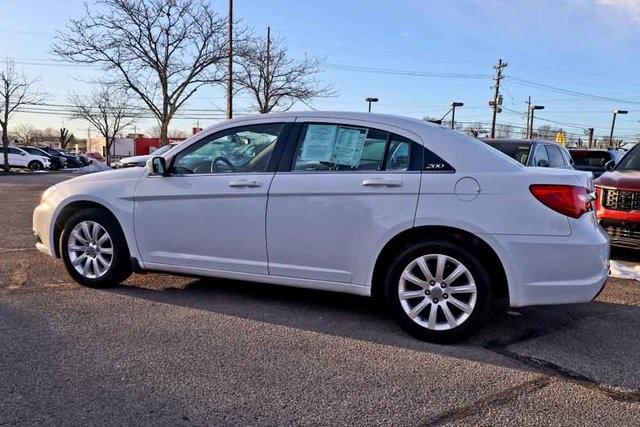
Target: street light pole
{"points": [[453, 112], [613, 124], [370, 100], [532, 109]]}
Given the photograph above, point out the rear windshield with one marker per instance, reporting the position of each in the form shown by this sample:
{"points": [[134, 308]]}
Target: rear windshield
{"points": [[590, 158], [519, 152]]}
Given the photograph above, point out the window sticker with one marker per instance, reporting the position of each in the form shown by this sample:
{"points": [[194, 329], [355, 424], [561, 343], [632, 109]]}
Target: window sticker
{"points": [[348, 146], [318, 143]]}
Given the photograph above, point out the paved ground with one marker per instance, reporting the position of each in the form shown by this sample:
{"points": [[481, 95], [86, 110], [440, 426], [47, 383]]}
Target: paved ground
{"points": [[167, 350]]}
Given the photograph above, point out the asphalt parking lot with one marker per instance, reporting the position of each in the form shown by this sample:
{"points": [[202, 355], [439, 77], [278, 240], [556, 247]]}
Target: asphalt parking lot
{"points": [[169, 350]]}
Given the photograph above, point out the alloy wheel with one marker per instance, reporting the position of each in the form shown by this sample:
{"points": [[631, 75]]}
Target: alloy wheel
{"points": [[437, 292], [90, 249]]}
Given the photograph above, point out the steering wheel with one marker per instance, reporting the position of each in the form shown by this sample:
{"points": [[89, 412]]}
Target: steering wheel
{"points": [[223, 160]]}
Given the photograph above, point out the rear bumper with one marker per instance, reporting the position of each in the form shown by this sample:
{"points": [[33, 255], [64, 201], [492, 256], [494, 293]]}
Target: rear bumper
{"points": [[545, 270]]}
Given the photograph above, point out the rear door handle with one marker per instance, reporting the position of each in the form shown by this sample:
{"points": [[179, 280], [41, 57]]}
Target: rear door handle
{"points": [[244, 183], [382, 183]]}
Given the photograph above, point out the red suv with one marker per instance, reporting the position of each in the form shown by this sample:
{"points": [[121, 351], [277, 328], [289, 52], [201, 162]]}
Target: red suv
{"points": [[618, 200]]}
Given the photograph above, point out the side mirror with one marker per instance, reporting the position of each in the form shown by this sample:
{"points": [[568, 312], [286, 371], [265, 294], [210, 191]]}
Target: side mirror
{"points": [[610, 165], [157, 165], [542, 163]]}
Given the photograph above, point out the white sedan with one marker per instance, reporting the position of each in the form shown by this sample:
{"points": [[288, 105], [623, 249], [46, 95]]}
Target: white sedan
{"points": [[434, 223]]}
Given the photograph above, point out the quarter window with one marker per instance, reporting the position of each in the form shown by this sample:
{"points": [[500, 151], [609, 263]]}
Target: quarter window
{"points": [[244, 149], [332, 147]]}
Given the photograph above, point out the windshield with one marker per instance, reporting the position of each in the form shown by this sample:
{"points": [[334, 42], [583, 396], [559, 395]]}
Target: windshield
{"points": [[630, 162], [519, 152], [590, 158]]}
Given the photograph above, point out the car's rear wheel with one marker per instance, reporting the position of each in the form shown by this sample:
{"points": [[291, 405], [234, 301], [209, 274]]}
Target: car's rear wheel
{"points": [[94, 249], [36, 166], [438, 291]]}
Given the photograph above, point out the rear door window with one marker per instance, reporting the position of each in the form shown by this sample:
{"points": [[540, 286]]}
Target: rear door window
{"points": [[540, 157], [340, 148], [555, 157]]}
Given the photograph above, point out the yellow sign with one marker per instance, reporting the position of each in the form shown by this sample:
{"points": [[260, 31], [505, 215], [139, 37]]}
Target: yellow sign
{"points": [[561, 138]]}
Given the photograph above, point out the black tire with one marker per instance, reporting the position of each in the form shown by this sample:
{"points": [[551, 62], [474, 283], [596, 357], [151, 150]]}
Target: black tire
{"points": [[120, 268], [36, 166], [474, 266]]}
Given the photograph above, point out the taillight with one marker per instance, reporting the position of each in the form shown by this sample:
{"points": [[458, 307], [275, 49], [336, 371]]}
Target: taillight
{"points": [[569, 200]]}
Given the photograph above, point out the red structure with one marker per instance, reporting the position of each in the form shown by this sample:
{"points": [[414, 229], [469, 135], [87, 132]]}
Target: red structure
{"points": [[144, 145]]}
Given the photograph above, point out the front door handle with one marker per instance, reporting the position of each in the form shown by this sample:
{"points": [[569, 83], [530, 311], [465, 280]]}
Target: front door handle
{"points": [[245, 183], [382, 183]]}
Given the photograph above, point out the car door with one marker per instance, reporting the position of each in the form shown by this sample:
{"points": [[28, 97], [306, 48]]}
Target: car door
{"points": [[342, 188], [17, 157], [209, 213]]}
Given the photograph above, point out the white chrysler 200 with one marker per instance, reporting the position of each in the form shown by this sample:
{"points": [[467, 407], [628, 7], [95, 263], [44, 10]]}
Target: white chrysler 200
{"points": [[434, 223]]}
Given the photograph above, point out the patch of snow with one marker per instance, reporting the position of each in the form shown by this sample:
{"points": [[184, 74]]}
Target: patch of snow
{"points": [[625, 270], [96, 166]]}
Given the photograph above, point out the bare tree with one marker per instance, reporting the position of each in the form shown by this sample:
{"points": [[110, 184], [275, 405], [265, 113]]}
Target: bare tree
{"points": [[107, 110], [273, 78], [163, 50], [16, 90], [27, 134], [154, 132], [504, 130], [546, 132], [64, 138], [476, 129]]}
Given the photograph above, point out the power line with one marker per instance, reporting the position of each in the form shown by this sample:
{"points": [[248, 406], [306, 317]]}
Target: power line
{"points": [[400, 72], [530, 83]]}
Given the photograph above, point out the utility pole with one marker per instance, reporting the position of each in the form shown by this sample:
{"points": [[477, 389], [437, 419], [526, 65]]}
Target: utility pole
{"points": [[267, 78], [528, 117], [496, 97], [230, 65], [590, 133]]}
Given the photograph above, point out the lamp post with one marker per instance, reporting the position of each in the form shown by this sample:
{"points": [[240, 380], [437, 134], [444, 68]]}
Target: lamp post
{"points": [[613, 124], [370, 100], [453, 111], [533, 108]]}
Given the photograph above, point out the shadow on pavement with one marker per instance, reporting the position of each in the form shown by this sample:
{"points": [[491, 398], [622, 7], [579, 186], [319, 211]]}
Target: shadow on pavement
{"points": [[577, 342]]}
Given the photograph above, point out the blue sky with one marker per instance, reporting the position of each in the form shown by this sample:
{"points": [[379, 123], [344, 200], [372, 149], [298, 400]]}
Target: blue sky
{"points": [[588, 46]]}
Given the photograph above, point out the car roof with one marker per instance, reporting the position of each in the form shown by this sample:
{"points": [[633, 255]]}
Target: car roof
{"points": [[520, 141], [469, 153], [388, 119]]}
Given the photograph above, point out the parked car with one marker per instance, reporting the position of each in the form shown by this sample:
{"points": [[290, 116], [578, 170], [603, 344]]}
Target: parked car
{"points": [[618, 200], [433, 222], [71, 160], [18, 158], [139, 161], [57, 162], [95, 156], [86, 161], [534, 152], [591, 160]]}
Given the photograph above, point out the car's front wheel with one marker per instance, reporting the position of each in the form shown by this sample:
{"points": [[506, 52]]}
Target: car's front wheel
{"points": [[36, 166], [438, 291], [94, 249]]}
